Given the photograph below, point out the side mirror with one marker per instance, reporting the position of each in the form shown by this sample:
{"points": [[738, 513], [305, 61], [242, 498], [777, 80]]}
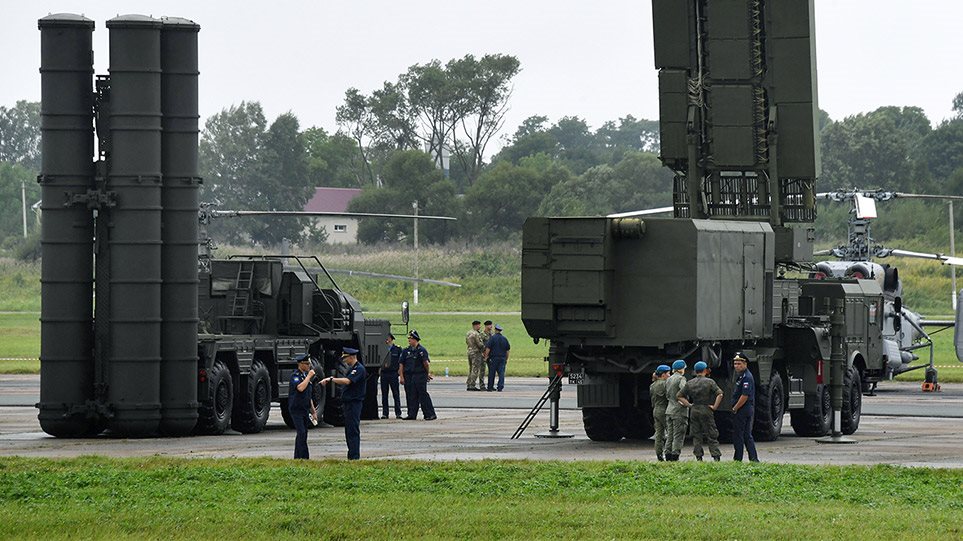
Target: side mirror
{"points": [[405, 314]]}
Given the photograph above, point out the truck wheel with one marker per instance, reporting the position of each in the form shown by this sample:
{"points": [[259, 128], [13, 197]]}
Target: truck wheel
{"points": [[285, 414], [723, 419], [318, 396], [253, 406], [852, 401], [636, 423], [215, 418], [602, 424], [814, 422], [770, 408]]}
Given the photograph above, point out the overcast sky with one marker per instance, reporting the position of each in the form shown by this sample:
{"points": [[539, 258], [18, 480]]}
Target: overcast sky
{"points": [[590, 59]]}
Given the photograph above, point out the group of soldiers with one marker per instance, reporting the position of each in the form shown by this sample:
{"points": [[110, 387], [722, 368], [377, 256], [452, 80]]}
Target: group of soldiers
{"points": [[487, 348], [409, 368], [679, 404]]}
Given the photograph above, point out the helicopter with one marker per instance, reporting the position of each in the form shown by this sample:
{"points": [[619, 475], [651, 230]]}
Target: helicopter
{"points": [[903, 329]]}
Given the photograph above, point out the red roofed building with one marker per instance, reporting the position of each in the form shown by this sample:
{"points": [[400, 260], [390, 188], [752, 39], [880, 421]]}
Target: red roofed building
{"points": [[341, 230]]}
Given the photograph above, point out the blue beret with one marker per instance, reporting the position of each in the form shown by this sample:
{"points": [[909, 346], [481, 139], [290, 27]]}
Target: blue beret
{"points": [[700, 366], [662, 368], [349, 351], [678, 365]]}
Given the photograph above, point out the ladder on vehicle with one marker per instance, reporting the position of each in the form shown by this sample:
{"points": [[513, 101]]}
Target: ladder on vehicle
{"points": [[554, 386], [242, 288]]}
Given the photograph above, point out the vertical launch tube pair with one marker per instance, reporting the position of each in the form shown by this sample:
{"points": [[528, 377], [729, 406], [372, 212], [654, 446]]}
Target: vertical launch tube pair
{"points": [[136, 374]]}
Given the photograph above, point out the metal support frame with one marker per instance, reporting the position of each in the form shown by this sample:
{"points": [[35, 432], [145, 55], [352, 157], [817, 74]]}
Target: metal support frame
{"points": [[837, 362]]}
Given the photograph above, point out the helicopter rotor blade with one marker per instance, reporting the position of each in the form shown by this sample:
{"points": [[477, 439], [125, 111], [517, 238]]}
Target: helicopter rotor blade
{"points": [[929, 196], [823, 252], [944, 259], [237, 213], [646, 212]]}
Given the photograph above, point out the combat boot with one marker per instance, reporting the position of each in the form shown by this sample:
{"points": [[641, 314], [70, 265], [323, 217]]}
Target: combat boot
{"points": [[699, 458], [716, 459], [660, 457]]}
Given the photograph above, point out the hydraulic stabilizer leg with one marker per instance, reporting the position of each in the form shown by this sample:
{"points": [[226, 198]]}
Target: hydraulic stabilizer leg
{"points": [[554, 396], [837, 360]]}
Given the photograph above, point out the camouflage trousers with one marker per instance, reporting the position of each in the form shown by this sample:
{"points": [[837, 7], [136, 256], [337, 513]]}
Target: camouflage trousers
{"points": [[659, 422], [476, 370], [675, 433], [702, 426]]}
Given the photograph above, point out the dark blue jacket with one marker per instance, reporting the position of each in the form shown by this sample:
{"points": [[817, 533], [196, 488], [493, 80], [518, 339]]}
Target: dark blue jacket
{"points": [[299, 400], [392, 368], [498, 346], [414, 359], [355, 390], [745, 385]]}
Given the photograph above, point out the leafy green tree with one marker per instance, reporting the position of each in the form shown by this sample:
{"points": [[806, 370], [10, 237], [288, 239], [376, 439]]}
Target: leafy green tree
{"points": [[20, 134], [504, 196], [941, 153], [356, 117], [281, 182], [531, 138], [407, 176], [874, 149], [333, 160]]}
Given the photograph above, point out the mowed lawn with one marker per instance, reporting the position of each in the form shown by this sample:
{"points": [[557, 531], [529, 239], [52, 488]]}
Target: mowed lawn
{"points": [[160, 498], [443, 335]]}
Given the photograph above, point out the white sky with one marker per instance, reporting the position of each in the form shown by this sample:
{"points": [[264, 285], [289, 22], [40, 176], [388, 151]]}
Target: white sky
{"points": [[590, 59]]}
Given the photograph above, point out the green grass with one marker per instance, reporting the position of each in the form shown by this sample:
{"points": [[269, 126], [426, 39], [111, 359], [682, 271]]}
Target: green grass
{"points": [[19, 336], [160, 498], [19, 286]]}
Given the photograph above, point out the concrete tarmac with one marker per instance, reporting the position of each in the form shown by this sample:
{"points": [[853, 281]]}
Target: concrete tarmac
{"points": [[901, 425]]}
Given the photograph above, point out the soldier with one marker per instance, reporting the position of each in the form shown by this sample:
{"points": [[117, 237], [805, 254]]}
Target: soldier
{"points": [[486, 334], [300, 391], [677, 415], [351, 400], [389, 378], [659, 403], [476, 361], [743, 404], [416, 369], [497, 351], [703, 397]]}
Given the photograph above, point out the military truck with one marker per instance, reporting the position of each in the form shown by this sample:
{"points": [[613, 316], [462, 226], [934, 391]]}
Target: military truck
{"points": [[256, 315], [618, 295]]}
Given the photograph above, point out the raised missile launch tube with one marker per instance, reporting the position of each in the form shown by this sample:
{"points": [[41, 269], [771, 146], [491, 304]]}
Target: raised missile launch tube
{"points": [[134, 175], [67, 229], [179, 196]]}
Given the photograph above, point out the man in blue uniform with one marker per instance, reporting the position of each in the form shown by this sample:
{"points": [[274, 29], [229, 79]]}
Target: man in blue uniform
{"points": [[300, 391], [496, 352], [743, 403], [389, 378], [416, 371], [351, 400]]}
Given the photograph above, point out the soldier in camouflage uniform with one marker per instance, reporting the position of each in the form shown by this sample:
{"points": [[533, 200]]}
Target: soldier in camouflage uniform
{"points": [[677, 415], [702, 396], [476, 360], [659, 403], [486, 335]]}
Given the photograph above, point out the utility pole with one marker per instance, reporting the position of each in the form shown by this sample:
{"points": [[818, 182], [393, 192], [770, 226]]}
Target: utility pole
{"points": [[23, 198], [953, 254], [415, 206]]}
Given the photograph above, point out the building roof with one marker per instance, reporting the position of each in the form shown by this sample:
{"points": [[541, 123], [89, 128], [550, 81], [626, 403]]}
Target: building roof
{"points": [[331, 199]]}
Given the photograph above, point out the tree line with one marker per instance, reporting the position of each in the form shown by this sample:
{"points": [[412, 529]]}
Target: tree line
{"points": [[427, 136]]}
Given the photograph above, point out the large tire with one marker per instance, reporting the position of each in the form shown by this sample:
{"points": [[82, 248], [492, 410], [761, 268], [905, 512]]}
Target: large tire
{"points": [[333, 414], [602, 424], [319, 397], [253, 405], [770, 409], [815, 421], [370, 409], [285, 414], [215, 417], [852, 401]]}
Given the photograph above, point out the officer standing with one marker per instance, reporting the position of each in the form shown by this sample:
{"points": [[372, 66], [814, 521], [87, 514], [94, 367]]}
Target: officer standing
{"points": [[703, 397], [496, 352], [389, 378], [300, 391], [659, 402], [677, 415], [486, 335], [416, 370], [352, 399], [743, 404], [476, 361]]}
